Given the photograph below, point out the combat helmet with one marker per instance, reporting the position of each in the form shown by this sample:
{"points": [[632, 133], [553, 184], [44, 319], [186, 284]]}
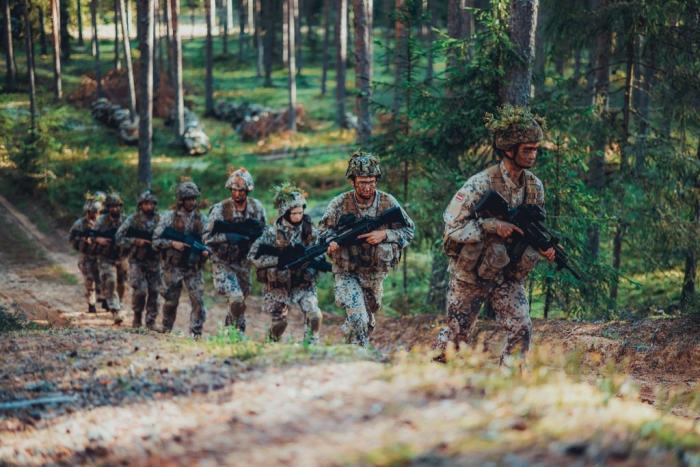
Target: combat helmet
{"points": [[288, 196], [363, 164], [187, 189], [93, 203], [113, 199], [146, 195], [514, 125], [242, 175]]}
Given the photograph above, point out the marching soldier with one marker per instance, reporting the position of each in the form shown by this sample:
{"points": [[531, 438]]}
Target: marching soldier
{"points": [[284, 287], [231, 268], [85, 245], [479, 265], [136, 236], [360, 269]]}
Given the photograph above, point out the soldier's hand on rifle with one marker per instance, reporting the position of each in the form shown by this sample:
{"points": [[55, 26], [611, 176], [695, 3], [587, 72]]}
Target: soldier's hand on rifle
{"points": [[501, 228], [179, 246], [141, 241], [549, 253], [205, 253], [332, 248], [374, 237], [103, 241]]}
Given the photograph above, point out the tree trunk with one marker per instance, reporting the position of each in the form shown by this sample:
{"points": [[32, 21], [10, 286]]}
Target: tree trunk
{"points": [[259, 46], [117, 58], [540, 53], [29, 45], [627, 105], [56, 38], [209, 80], [401, 59], [291, 30], [459, 26], [269, 39], [170, 43], [326, 43], [177, 69], [127, 56], [296, 50], [241, 27], [43, 46], [285, 33], [430, 41], [522, 25], [65, 34], [157, 64], [691, 257], [363, 68], [10, 70], [341, 40], [96, 46], [644, 112], [79, 14], [620, 231], [146, 18], [388, 30], [224, 33]]}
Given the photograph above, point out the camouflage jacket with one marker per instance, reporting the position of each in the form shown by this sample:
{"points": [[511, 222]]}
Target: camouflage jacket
{"points": [[365, 258], [191, 223], [113, 251], [139, 221], [77, 240], [225, 211]]}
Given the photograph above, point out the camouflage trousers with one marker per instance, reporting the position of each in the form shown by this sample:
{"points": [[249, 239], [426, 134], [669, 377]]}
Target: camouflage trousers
{"points": [[360, 295], [508, 301], [174, 278], [91, 277], [277, 303], [113, 277], [145, 278], [233, 281]]}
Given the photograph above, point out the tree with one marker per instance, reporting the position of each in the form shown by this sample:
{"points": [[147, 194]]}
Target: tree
{"points": [[146, 18], [10, 70], [326, 44], [177, 69], [459, 26], [267, 13], [127, 57], [291, 31], [522, 26], [209, 79], [56, 37], [96, 46], [42, 32], [29, 45], [363, 67], [341, 40], [259, 45], [65, 34], [117, 58], [79, 14]]}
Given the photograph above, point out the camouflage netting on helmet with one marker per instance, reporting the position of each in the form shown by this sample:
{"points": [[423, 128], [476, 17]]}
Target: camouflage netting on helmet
{"points": [[288, 196], [147, 195], [93, 202], [363, 164], [514, 125], [113, 199], [187, 189], [240, 178]]}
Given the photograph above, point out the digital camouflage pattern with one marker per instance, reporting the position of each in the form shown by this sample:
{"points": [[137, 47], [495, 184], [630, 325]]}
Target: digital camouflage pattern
{"points": [[112, 265], [360, 270], [363, 164], [87, 261], [479, 264], [240, 178], [514, 125], [284, 288], [177, 273], [231, 267]]}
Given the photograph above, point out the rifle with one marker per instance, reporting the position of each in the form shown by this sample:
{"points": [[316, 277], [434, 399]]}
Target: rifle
{"points": [[92, 233], [238, 232], [288, 254], [193, 242], [350, 227], [133, 232], [530, 219]]}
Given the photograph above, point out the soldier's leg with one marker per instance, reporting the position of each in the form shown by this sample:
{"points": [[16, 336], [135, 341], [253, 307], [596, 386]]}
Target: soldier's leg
{"points": [[312, 316], [237, 310], [89, 282], [349, 296], [464, 301], [139, 289], [108, 277], [172, 279], [122, 277], [278, 311], [194, 280], [154, 277], [373, 291], [226, 283], [509, 302]]}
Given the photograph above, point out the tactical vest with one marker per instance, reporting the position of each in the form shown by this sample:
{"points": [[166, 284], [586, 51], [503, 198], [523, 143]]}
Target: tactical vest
{"points": [[288, 279], [81, 243], [177, 258], [498, 184], [111, 252], [364, 258], [141, 222], [232, 253]]}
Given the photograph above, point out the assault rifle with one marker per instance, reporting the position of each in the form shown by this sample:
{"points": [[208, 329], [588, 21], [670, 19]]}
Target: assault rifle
{"points": [[238, 232], [530, 219], [193, 242], [288, 254], [92, 233], [133, 232], [349, 228]]}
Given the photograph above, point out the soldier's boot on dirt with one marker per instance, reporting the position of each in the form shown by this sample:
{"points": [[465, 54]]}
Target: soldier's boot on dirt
{"points": [[138, 303], [118, 318], [236, 316], [312, 329], [151, 309], [277, 329], [104, 304], [169, 315], [92, 309]]}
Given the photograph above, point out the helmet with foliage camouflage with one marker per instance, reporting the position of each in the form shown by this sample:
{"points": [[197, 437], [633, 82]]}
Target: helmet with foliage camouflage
{"points": [[93, 202], [147, 195], [288, 196], [113, 199], [514, 125], [240, 176], [363, 164], [186, 189]]}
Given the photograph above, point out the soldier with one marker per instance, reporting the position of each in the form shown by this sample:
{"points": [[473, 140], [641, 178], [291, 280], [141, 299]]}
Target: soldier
{"points": [[177, 269], [231, 269], [287, 287], [136, 236], [111, 259], [84, 243], [360, 269], [478, 259]]}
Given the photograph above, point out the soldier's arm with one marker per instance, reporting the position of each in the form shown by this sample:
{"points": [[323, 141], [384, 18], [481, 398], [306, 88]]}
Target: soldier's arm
{"points": [[329, 221], [263, 261], [460, 226], [263, 214], [161, 243], [120, 238], [216, 214], [73, 235], [401, 234]]}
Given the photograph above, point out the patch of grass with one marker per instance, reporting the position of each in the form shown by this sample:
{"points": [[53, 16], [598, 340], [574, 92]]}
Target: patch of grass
{"points": [[11, 321]]}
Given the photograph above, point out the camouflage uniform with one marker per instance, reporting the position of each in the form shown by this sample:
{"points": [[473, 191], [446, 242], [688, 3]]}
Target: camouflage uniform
{"points": [[479, 266], [87, 262], [360, 270], [145, 273], [111, 261], [176, 271], [231, 267], [284, 288]]}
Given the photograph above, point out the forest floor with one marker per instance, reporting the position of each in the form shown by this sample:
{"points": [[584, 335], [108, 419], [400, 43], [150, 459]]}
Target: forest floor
{"points": [[75, 389]]}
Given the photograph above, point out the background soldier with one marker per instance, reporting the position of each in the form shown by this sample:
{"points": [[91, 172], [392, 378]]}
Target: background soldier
{"points": [[479, 264], [360, 269], [177, 268], [136, 236], [231, 268], [85, 245], [111, 258], [288, 287]]}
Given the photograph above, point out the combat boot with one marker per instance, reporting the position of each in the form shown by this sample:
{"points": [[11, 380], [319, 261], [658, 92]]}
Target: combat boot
{"points": [[92, 309]]}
